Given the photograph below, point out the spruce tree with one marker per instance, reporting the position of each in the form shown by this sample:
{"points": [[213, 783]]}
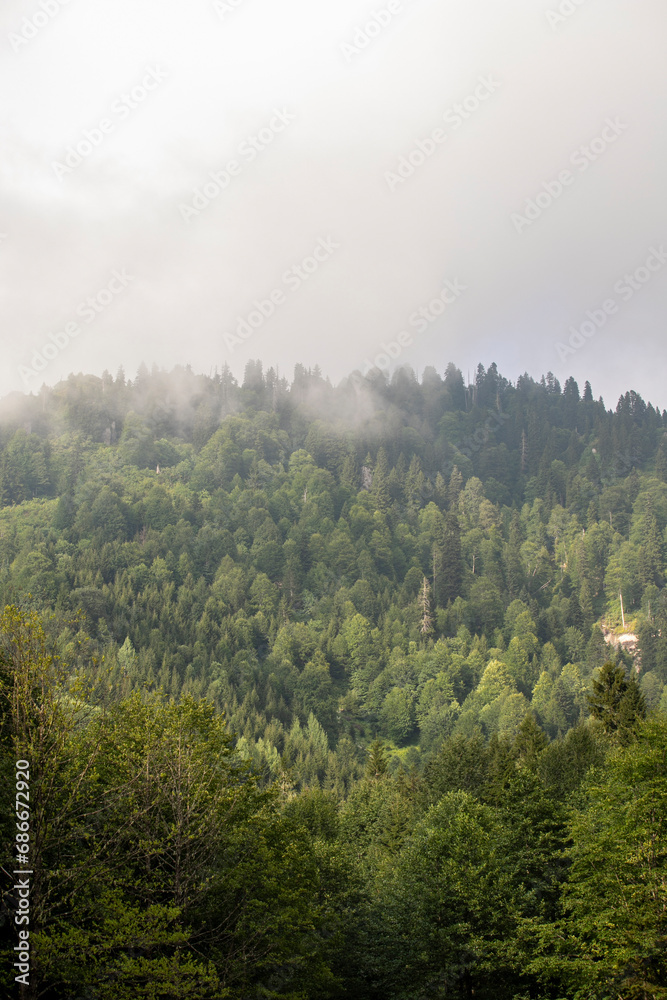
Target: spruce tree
{"points": [[380, 487], [616, 701], [376, 765], [661, 463], [454, 488], [451, 572], [651, 554]]}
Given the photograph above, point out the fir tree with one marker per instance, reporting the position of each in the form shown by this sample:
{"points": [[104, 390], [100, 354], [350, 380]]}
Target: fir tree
{"points": [[616, 701], [376, 765], [451, 572], [380, 488], [454, 488]]}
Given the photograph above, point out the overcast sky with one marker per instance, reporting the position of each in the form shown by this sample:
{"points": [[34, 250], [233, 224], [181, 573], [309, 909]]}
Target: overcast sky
{"points": [[399, 181]]}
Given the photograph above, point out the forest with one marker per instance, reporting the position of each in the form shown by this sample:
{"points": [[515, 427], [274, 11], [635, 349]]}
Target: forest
{"points": [[353, 691]]}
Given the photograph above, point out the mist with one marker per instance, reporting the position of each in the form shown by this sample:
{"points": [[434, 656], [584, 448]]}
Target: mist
{"points": [[350, 186]]}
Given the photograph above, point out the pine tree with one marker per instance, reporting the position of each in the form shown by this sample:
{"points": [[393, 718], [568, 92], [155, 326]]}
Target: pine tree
{"points": [[440, 491], [454, 388], [650, 555], [451, 572], [632, 710], [454, 488], [396, 482], [575, 616], [530, 740], [415, 485], [608, 689], [616, 701], [661, 463], [592, 514], [380, 488], [376, 765], [349, 476], [513, 565], [593, 472]]}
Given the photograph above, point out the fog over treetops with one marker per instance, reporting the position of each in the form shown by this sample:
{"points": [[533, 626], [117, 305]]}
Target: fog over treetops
{"points": [[362, 689]]}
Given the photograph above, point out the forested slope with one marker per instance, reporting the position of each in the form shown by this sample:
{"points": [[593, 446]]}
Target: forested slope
{"points": [[393, 593]]}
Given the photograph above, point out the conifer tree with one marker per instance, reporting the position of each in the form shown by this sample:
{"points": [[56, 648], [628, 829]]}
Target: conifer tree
{"points": [[513, 566], [651, 554], [380, 487], [377, 764], [661, 463], [451, 572], [616, 701], [415, 486], [454, 488]]}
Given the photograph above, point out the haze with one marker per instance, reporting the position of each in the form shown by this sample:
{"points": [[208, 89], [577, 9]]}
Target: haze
{"points": [[366, 155]]}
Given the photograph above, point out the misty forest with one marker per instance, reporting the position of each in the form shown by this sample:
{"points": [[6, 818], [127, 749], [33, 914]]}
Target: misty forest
{"points": [[352, 691]]}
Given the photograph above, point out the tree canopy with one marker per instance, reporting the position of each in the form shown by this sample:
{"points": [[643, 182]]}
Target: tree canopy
{"points": [[336, 691]]}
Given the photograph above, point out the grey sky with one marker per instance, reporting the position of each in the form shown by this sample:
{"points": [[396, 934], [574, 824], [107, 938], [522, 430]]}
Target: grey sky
{"points": [[166, 93]]}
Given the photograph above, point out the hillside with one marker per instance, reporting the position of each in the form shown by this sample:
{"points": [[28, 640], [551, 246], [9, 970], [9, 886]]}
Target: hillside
{"points": [[394, 594], [275, 562]]}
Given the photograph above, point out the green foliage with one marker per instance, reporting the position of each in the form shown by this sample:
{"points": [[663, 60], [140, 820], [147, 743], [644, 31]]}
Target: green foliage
{"points": [[611, 938], [230, 592], [154, 854], [448, 905], [377, 760], [617, 702]]}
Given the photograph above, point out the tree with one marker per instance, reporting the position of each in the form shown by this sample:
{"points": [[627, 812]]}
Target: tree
{"points": [[451, 565], [42, 725], [380, 487], [454, 488], [377, 760], [158, 868], [415, 486], [460, 764], [616, 702], [454, 388], [661, 463], [397, 715], [651, 554], [446, 907], [612, 936], [426, 623], [632, 710], [512, 558]]}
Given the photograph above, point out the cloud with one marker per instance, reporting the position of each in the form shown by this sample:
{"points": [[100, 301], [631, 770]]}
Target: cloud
{"points": [[559, 86]]}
